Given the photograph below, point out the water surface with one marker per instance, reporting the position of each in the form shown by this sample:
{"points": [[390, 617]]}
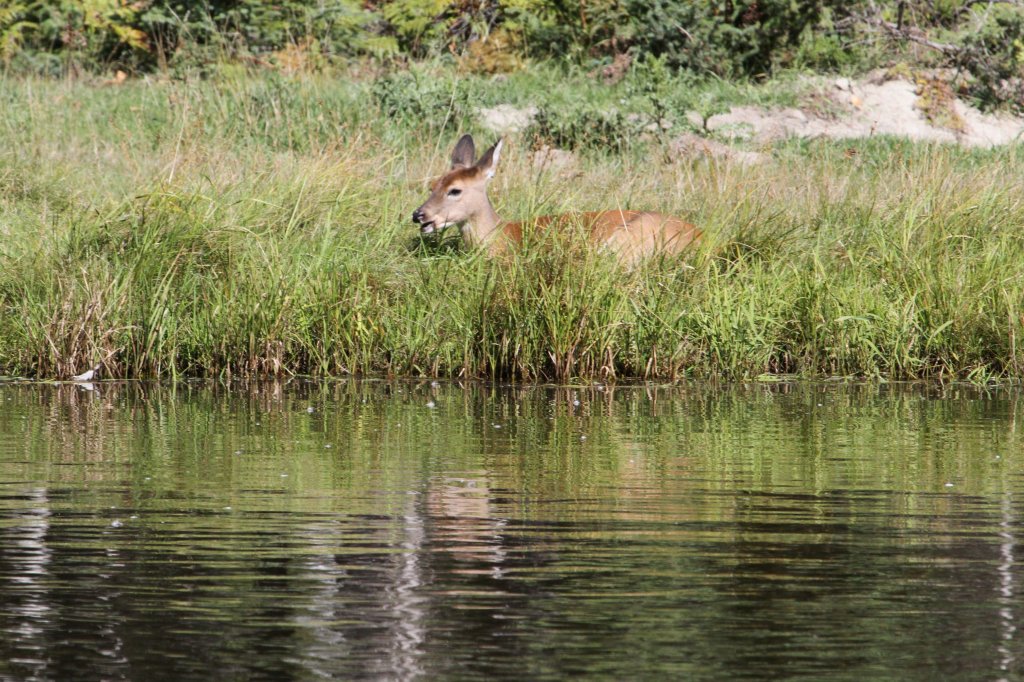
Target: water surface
{"points": [[401, 530]]}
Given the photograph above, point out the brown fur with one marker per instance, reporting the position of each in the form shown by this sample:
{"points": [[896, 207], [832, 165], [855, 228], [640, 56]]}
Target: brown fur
{"points": [[632, 235], [452, 177]]}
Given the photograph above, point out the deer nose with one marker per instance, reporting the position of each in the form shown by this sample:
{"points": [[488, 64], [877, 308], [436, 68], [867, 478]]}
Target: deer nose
{"points": [[417, 216]]}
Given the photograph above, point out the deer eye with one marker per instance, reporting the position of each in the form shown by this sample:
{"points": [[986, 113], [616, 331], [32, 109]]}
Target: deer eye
{"points": [[454, 192]]}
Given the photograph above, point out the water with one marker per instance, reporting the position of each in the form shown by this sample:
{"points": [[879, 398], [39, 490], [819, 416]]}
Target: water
{"points": [[399, 530]]}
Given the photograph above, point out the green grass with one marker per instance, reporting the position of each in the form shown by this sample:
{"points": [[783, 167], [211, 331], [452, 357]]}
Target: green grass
{"points": [[259, 225]]}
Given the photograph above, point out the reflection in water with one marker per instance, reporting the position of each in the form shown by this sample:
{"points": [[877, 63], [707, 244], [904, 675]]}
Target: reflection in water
{"points": [[27, 560], [406, 601], [463, 521], [1006, 588], [400, 530]]}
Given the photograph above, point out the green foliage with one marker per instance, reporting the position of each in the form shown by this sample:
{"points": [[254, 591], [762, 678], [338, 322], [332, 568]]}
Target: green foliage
{"points": [[13, 29], [150, 32], [823, 46], [720, 38], [415, 22], [91, 31], [994, 56], [260, 226], [422, 97], [587, 124]]}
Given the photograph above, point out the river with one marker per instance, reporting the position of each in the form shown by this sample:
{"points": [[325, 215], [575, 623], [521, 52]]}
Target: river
{"points": [[400, 530]]}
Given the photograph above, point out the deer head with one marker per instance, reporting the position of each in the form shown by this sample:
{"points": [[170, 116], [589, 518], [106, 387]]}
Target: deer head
{"points": [[460, 195]]}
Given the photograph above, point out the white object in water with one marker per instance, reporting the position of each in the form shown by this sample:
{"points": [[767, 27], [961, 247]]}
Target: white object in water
{"points": [[87, 376]]}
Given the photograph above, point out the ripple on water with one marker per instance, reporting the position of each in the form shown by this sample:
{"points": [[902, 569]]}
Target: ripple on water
{"points": [[697, 532]]}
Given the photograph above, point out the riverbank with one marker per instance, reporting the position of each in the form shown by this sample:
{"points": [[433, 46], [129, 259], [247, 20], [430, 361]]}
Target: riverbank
{"points": [[259, 225]]}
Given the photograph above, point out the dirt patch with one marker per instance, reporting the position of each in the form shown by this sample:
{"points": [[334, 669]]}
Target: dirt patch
{"points": [[506, 118], [695, 147], [920, 111]]}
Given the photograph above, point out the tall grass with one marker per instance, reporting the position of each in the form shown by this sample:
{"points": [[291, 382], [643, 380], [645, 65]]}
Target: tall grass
{"points": [[260, 226]]}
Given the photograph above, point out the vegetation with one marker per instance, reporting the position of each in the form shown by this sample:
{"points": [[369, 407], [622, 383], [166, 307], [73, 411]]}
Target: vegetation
{"points": [[224, 188], [982, 41], [252, 225]]}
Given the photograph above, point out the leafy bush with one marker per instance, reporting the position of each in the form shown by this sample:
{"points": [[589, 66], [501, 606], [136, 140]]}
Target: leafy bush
{"points": [[147, 33], [994, 55], [586, 125], [421, 98], [723, 38], [84, 30]]}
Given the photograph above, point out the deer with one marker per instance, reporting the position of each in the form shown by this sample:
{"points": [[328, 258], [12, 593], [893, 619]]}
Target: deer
{"points": [[460, 198]]}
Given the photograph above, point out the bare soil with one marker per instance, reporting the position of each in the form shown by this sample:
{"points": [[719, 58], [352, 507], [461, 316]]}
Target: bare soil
{"points": [[869, 108]]}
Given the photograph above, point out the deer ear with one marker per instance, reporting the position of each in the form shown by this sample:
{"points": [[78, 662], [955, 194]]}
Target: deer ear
{"points": [[489, 161], [465, 152]]}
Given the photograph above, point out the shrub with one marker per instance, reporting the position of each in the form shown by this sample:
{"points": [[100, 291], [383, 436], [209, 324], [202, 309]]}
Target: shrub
{"points": [[994, 55], [421, 98]]}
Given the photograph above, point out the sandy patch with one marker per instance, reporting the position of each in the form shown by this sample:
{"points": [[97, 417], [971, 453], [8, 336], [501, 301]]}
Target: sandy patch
{"points": [[506, 118], [866, 109]]}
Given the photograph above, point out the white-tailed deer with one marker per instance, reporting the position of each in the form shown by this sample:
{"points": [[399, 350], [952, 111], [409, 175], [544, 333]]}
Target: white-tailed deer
{"points": [[460, 198]]}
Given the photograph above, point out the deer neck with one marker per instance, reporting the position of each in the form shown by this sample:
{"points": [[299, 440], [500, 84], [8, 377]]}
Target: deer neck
{"points": [[483, 227]]}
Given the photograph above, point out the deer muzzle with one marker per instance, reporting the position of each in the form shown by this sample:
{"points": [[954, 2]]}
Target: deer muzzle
{"points": [[420, 218]]}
